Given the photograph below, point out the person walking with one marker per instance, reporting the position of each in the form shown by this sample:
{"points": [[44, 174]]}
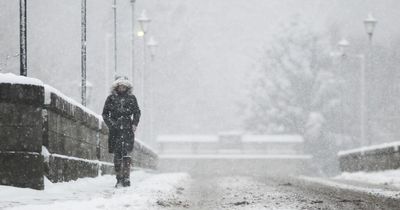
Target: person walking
{"points": [[121, 114]]}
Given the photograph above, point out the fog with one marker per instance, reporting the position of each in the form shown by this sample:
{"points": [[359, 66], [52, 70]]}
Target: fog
{"points": [[211, 57]]}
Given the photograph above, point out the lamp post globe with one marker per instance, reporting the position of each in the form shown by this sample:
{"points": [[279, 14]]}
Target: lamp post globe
{"points": [[152, 44], [343, 44], [144, 21], [370, 23]]}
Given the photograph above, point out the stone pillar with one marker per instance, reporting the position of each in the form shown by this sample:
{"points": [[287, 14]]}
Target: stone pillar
{"points": [[21, 163]]}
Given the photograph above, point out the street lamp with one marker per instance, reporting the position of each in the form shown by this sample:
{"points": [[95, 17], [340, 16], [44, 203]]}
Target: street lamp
{"points": [[370, 23], [343, 45], [144, 22], [152, 44], [144, 26]]}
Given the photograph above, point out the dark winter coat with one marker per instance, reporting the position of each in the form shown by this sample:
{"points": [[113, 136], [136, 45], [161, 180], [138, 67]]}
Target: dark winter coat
{"points": [[120, 113]]}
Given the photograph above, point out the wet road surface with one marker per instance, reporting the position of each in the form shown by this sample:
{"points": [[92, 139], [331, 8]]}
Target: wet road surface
{"points": [[248, 193]]}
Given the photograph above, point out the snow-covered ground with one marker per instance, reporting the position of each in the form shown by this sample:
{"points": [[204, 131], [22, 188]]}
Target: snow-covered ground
{"points": [[387, 177], [96, 193]]}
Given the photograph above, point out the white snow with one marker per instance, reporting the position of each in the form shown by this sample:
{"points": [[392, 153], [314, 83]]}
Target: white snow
{"points": [[49, 89], [79, 159], [46, 154], [95, 193], [19, 152], [14, 79], [362, 150], [387, 177]]}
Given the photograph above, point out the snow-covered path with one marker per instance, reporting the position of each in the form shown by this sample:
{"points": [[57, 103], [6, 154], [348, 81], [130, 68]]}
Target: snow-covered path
{"points": [[96, 193], [179, 191]]}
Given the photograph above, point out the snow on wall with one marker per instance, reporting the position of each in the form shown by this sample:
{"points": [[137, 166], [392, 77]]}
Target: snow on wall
{"points": [[49, 89], [362, 150], [14, 79]]}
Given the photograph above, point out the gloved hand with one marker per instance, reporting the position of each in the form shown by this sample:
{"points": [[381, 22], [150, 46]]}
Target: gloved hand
{"points": [[119, 123]]}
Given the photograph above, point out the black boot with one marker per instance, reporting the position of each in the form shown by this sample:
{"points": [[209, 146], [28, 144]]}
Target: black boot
{"points": [[120, 182], [126, 169], [118, 173]]}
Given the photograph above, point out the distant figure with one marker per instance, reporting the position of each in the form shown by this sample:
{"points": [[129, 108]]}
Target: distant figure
{"points": [[121, 114]]}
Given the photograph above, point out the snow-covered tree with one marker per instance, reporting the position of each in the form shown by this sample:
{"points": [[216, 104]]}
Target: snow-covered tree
{"points": [[294, 90]]}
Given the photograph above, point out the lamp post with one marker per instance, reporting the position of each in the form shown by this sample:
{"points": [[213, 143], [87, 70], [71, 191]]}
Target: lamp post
{"points": [[83, 52], [343, 45], [369, 24], [22, 38], [114, 7], [133, 40], [152, 45], [144, 22], [144, 25]]}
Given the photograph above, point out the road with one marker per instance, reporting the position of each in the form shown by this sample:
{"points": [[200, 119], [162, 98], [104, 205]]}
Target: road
{"points": [[248, 193]]}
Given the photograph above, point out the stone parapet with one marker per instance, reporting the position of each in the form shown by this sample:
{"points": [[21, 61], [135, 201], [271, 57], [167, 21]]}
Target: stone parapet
{"points": [[75, 140], [372, 158]]}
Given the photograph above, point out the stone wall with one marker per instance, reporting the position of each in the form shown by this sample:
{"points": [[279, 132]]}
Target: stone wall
{"points": [[47, 134], [372, 159], [70, 132], [21, 135]]}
